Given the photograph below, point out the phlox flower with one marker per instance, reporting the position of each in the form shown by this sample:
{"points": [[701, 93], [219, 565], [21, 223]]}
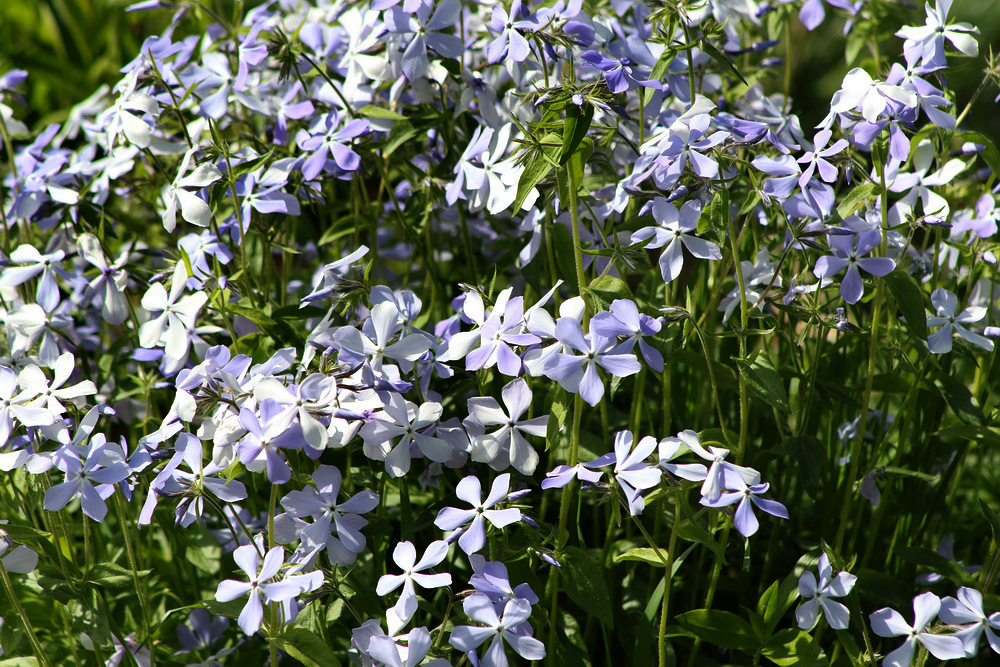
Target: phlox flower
{"points": [[320, 503], [670, 448], [624, 319], [819, 595], [470, 490], [578, 373], [849, 252], [675, 230], [260, 585], [736, 490], [108, 287], [83, 467], [860, 91], [413, 426], [392, 652], [927, 41], [562, 475], [889, 623], [966, 609], [405, 557], [19, 559], [501, 628], [33, 263], [507, 445], [945, 305], [631, 471]]}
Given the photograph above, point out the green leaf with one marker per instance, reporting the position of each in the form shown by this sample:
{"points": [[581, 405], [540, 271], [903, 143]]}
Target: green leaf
{"points": [[807, 450], [400, 133], [693, 532], [993, 520], [991, 155], [721, 58], [720, 628], [561, 239], [257, 317], [24, 533], [19, 662], [557, 417], [608, 288], [960, 400], [937, 563], [585, 583], [298, 313], [372, 111], [858, 196], [246, 167], [909, 299], [538, 165], [113, 576], [577, 124], [714, 214], [308, 648], [970, 432], [794, 647], [763, 381], [642, 555], [231, 609], [776, 600]]}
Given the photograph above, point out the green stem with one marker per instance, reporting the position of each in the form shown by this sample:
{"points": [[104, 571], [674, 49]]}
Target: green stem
{"points": [[564, 505], [574, 211], [36, 647], [133, 564]]}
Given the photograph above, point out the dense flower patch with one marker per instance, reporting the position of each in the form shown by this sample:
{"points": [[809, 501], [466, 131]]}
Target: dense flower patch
{"points": [[308, 318]]}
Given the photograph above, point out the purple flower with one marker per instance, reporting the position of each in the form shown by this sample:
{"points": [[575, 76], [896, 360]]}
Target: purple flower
{"points": [[889, 623], [819, 595], [201, 631], [562, 475], [503, 629], [259, 448], [506, 446], [405, 556], [631, 471], [326, 137], [945, 304], [414, 424], [736, 490], [498, 333], [426, 30], [259, 584], [84, 466], [670, 448], [320, 503], [578, 373], [849, 252], [621, 74], [860, 91], [491, 579], [624, 319], [509, 43], [47, 292], [470, 490], [967, 608], [927, 41], [675, 229]]}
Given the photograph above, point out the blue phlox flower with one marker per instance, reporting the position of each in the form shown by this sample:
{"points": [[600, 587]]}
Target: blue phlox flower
{"points": [[966, 610], [888, 622], [501, 628], [469, 489], [818, 596]]}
